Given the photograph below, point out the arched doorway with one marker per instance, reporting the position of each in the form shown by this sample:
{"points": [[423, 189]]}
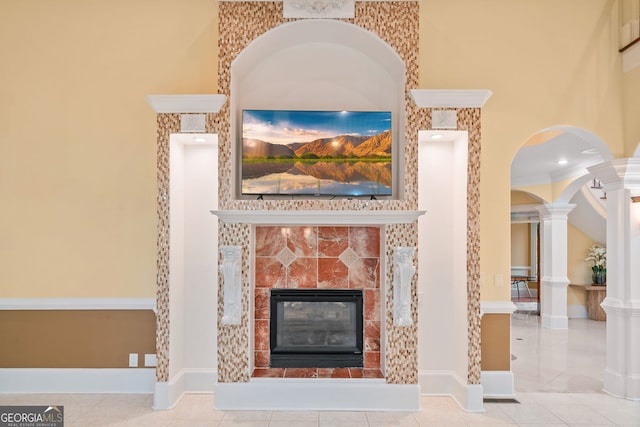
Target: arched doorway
{"points": [[551, 170]]}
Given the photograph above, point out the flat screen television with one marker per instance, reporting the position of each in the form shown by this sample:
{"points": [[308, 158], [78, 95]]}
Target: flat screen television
{"points": [[316, 153]]}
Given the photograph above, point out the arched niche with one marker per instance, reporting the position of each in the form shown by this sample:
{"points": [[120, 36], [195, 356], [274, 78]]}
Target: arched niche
{"points": [[317, 64]]}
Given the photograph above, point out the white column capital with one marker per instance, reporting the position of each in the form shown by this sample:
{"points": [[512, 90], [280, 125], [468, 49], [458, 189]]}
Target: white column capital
{"points": [[618, 173], [555, 211]]}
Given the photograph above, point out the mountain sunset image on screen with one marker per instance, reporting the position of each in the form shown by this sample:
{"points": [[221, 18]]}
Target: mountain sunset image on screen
{"points": [[316, 153]]}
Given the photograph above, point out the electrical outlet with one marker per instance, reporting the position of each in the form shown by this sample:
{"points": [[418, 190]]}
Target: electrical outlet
{"points": [[498, 281], [150, 360], [133, 360]]}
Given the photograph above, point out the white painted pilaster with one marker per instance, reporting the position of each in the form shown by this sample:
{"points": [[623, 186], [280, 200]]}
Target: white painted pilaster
{"points": [[621, 179], [553, 263]]}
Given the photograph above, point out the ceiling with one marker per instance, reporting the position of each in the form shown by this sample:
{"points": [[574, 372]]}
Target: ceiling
{"points": [[539, 161]]}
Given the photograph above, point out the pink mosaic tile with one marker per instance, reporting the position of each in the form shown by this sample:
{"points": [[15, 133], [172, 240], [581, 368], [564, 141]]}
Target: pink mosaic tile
{"points": [[269, 240], [262, 298], [365, 241], [332, 241], [270, 273], [300, 373], [365, 273], [262, 335], [302, 241], [371, 304], [332, 273], [372, 360], [303, 273], [261, 359], [333, 373], [371, 335], [322, 269], [268, 373]]}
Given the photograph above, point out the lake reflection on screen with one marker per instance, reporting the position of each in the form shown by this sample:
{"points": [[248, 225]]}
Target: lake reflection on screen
{"points": [[328, 178]]}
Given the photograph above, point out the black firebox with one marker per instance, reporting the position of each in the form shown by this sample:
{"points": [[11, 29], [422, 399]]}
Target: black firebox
{"points": [[316, 328]]}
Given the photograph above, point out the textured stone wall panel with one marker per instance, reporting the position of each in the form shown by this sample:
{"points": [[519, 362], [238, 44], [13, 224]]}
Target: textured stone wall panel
{"points": [[167, 124], [397, 23]]}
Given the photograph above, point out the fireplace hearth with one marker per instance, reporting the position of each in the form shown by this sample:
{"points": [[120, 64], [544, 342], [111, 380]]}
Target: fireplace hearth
{"points": [[316, 328]]}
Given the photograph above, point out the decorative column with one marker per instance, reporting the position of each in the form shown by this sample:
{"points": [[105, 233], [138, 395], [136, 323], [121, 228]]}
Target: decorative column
{"points": [[621, 179], [553, 265]]}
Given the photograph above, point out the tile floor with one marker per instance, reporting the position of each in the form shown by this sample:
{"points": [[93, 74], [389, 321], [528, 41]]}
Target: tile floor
{"points": [[558, 381]]}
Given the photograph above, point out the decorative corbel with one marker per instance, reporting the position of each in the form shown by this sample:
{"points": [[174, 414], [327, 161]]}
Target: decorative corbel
{"points": [[232, 284], [403, 272]]}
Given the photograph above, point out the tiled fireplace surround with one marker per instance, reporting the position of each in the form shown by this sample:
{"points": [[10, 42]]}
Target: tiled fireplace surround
{"points": [[322, 257], [395, 22]]}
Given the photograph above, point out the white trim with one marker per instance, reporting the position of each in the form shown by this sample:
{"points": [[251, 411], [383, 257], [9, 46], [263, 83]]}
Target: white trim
{"points": [[498, 384], [454, 98], [577, 311], [317, 394], [447, 383], [168, 394], [318, 217], [497, 307], [77, 380], [78, 304], [554, 322], [186, 103]]}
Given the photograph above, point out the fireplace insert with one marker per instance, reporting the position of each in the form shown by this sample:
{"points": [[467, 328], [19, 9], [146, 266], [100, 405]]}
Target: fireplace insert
{"points": [[316, 328]]}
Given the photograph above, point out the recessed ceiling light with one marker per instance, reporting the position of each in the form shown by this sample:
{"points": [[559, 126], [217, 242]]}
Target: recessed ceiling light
{"points": [[200, 139], [437, 136], [590, 151], [562, 162]]}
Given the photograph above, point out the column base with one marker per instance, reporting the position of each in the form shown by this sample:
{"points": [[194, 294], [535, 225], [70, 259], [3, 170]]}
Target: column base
{"points": [[555, 322]]}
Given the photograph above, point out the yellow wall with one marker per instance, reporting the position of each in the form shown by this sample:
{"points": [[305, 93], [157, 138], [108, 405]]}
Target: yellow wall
{"points": [[548, 63], [520, 242], [632, 111], [77, 162], [578, 271], [78, 140]]}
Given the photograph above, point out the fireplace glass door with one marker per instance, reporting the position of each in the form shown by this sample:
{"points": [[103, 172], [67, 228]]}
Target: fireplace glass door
{"points": [[316, 328]]}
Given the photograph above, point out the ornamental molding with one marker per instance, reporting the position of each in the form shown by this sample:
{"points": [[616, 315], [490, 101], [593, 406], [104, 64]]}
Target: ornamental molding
{"points": [[318, 217], [318, 8]]}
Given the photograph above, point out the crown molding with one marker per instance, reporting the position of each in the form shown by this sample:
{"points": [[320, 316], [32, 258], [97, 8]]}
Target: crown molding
{"points": [[450, 98], [186, 103], [312, 217]]}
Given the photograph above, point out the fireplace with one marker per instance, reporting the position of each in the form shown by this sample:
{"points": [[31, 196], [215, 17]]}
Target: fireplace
{"points": [[316, 328]]}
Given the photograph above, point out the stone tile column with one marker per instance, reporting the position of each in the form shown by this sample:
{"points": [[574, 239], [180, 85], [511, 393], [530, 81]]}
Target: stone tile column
{"points": [[621, 179], [553, 265]]}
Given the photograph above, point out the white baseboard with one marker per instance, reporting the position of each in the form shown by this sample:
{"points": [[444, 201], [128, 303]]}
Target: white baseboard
{"points": [[447, 383], [168, 394], [77, 380], [297, 394], [577, 311], [498, 384]]}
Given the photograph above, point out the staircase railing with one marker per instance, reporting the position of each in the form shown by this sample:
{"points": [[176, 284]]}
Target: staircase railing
{"points": [[629, 23]]}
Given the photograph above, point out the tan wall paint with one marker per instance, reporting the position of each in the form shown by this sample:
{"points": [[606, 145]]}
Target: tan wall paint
{"points": [[76, 338], [578, 271], [523, 198], [520, 245], [631, 91], [496, 344], [548, 63], [78, 140]]}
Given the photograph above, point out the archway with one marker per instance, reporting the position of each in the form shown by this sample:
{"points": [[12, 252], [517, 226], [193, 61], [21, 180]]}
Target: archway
{"points": [[551, 166]]}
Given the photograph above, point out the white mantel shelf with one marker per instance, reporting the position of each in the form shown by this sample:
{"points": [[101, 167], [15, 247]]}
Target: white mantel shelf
{"points": [[318, 217]]}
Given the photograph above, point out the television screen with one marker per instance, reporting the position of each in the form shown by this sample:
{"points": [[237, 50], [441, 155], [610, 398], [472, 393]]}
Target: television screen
{"points": [[316, 153]]}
